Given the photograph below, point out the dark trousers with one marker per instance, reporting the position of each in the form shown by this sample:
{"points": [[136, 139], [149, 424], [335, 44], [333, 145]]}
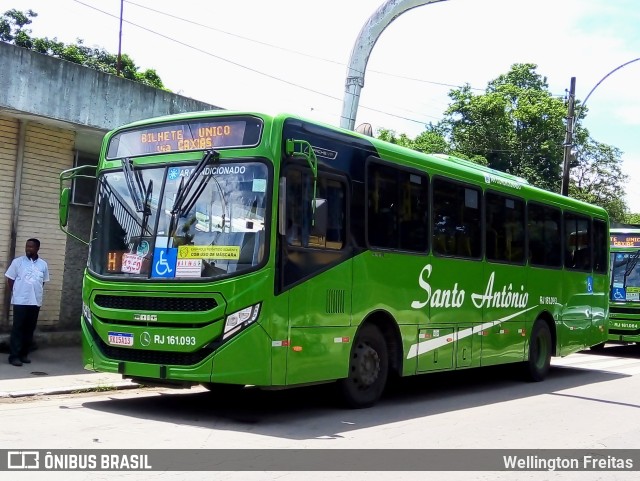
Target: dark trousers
{"points": [[24, 323]]}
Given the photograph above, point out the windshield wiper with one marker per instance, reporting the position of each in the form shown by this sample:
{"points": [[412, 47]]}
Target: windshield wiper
{"points": [[182, 204], [146, 207], [632, 261], [135, 188]]}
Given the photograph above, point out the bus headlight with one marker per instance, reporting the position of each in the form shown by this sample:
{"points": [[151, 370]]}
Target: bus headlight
{"points": [[239, 319], [86, 312]]}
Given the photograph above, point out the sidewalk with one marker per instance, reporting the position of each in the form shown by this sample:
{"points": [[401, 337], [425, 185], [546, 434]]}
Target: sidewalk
{"points": [[54, 370]]}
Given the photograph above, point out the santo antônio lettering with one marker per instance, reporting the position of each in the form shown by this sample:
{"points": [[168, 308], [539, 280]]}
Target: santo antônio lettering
{"points": [[454, 297]]}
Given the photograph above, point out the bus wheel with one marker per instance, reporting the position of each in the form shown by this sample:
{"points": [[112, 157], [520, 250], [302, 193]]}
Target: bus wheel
{"points": [[537, 367], [598, 347], [368, 369]]}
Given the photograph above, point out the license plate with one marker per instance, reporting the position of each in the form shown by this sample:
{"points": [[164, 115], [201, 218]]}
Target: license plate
{"points": [[120, 339]]}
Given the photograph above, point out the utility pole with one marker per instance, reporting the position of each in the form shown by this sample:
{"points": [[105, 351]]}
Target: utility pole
{"points": [[568, 139], [119, 65]]}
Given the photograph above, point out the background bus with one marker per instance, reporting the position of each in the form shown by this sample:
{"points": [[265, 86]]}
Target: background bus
{"points": [[245, 249], [624, 308]]}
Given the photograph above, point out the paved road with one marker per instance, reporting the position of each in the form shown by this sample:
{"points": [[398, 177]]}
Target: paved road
{"points": [[589, 401]]}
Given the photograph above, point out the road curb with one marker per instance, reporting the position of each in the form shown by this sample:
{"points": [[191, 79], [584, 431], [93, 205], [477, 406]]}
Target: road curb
{"points": [[69, 390]]}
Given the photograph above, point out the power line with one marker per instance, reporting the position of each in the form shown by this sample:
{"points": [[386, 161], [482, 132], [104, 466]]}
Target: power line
{"points": [[208, 53], [285, 49], [273, 77]]}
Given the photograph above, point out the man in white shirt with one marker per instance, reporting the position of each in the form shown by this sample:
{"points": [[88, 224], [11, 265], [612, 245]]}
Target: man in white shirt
{"points": [[25, 279]]}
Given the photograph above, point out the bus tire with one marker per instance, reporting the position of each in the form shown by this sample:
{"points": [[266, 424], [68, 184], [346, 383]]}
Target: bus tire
{"points": [[368, 369], [537, 366], [598, 347]]}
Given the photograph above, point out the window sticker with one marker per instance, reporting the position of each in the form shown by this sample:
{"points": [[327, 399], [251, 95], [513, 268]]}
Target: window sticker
{"points": [[471, 198], [143, 248], [164, 262], [188, 267], [618, 294], [132, 263], [259, 185], [209, 252]]}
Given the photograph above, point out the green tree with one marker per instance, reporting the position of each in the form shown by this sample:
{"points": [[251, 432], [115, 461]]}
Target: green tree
{"points": [[516, 124], [431, 141], [390, 136], [13, 31], [12, 27], [597, 177], [632, 218]]}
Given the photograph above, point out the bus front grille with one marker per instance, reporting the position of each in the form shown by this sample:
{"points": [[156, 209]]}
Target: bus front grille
{"points": [[170, 304], [621, 332]]}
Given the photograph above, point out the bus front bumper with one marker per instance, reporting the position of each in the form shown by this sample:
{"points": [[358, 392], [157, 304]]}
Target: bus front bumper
{"points": [[245, 359]]}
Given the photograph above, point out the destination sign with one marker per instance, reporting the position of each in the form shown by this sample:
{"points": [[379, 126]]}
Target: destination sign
{"points": [[227, 132], [625, 240]]}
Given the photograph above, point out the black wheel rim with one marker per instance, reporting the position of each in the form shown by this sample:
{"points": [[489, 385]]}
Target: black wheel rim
{"points": [[365, 366]]}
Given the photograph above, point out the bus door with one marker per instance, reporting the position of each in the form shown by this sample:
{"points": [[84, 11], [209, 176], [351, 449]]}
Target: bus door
{"points": [[503, 295], [456, 273], [577, 310], [601, 283], [504, 332], [316, 272]]}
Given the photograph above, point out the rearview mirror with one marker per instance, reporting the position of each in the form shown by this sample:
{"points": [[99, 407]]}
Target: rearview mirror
{"points": [[63, 209]]}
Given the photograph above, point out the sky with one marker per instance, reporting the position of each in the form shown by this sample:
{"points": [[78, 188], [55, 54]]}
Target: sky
{"points": [[292, 55]]}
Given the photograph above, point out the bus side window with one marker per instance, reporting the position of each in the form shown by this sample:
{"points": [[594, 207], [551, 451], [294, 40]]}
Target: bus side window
{"points": [[504, 228], [491, 242], [577, 242], [464, 245], [456, 219], [582, 259], [293, 233], [545, 243], [600, 242], [536, 245], [397, 208], [514, 243]]}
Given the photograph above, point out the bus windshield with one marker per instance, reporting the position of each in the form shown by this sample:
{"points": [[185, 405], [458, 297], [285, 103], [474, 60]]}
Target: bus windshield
{"points": [[625, 276], [217, 229]]}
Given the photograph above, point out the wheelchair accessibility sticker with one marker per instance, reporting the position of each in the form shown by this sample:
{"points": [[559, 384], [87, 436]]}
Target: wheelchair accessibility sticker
{"points": [[618, 294], [589, 284], [164, 262]]}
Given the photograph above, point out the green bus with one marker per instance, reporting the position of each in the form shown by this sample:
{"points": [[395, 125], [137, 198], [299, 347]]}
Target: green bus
{"points": [[624, 305], [236, 248]]}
